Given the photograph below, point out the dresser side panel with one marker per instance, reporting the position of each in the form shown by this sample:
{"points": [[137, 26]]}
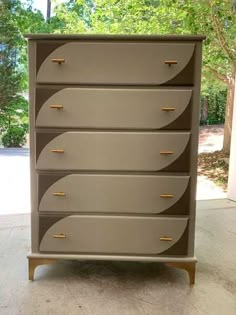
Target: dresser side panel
{"points": [[33, 174], [194, 146]]}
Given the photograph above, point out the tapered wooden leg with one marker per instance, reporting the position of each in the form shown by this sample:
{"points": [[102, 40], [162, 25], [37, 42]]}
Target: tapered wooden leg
{"points": [[35, 262], [190, 267]]}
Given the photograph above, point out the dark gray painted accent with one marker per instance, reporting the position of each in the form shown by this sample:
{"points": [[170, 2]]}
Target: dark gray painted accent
{"points": [[45, 181], [186, 76], [45, 222], [42, 139], [42, 95], [183, 122], [182, 164], [180, 247], [43, 50]]}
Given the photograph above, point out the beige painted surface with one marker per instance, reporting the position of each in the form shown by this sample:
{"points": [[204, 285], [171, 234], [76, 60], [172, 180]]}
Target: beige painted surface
{"points": [[116, 234], [114, 193], [115, 63], [112, 151], [113, 108]]}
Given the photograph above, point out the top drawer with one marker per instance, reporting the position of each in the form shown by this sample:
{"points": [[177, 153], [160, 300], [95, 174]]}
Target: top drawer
{"points": [[132, 63]]}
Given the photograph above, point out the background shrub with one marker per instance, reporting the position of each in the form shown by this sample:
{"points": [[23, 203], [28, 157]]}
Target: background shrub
{"points": [[212, 106], [15, 136], [14, 123]]}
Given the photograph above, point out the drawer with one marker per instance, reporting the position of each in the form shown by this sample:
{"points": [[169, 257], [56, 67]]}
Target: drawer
{"points": [[128, 151], [116, 63], [113, 108], [114, 235], [147, 194]]}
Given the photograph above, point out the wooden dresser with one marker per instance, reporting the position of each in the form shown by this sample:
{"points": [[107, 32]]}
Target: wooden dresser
{"points": [[113, 143]]}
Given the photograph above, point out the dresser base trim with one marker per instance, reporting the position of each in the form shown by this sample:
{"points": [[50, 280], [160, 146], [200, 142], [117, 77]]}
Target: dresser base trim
{"points": [[186, 263]]}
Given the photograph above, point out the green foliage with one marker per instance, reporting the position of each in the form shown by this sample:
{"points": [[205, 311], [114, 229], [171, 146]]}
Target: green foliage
{"points": [[10, 74], [217, 20], [15, 136], [14, 114], [215, 99], [214, 18], [14, 122], [16, 19]]}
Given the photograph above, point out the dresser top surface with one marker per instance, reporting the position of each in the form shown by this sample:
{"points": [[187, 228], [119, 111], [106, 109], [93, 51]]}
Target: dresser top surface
{"points": [[114, 37]]}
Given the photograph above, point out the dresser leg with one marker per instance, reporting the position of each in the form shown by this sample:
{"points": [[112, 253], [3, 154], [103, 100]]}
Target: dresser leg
{"points": [[35, 262], [188, 266]]}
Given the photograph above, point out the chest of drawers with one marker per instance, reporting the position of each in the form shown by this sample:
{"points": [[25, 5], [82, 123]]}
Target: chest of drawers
{"points": [[113, 143]]}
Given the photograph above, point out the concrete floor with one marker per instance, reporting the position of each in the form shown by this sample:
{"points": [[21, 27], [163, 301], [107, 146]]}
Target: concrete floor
{"points": [[113, 288]]}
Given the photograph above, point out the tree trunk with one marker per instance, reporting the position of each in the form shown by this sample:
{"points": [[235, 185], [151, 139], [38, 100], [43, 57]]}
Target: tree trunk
{"points": [[204, 110], [48, 9], [229, 115]]}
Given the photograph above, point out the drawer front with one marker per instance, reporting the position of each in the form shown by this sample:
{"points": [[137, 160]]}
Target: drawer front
{"points": [[114, 108], [134, 151], [114, 193], [113, 235], [116, 63]]}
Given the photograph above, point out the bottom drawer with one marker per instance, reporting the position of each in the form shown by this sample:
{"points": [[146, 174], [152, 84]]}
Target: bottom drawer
{"points": [[114, 235]]}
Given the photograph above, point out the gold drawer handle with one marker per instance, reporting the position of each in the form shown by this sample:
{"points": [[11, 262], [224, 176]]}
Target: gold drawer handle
{"points": [[166, 239], [59, 194], [167, 152], [56, 106], [57, 151], [168, 109], [61, 235], [171, 62], [58, 60], [166, 196]]}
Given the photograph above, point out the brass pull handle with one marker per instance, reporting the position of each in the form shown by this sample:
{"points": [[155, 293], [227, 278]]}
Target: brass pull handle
{"points": [[168, 109], [59, 194], [56, 106], [166, 239], [58, 60], [61, 235], [171, 62], [166, 196], [57, 151], [167, 152]]}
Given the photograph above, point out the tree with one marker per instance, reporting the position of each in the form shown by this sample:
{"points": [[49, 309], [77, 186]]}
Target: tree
{"points": [[16, 19], [48, 9], [214, 18], [10, 74], [217, 20]]}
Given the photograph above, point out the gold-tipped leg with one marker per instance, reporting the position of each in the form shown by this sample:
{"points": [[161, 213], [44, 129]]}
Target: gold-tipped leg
{"points": [[188, 266], [35, 262]]}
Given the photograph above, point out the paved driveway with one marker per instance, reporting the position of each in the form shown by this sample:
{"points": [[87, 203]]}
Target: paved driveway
{"points": [[14, 181], [211, 138]]}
